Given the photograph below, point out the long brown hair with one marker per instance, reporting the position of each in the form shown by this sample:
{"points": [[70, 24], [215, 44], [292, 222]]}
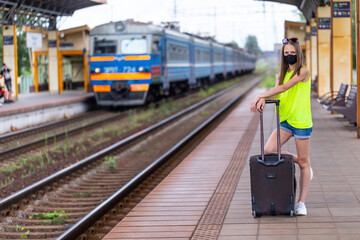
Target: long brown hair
{"points": [[285, 65]]}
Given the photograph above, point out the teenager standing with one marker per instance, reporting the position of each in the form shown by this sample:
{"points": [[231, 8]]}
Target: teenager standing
{"points": [[293, 86]]}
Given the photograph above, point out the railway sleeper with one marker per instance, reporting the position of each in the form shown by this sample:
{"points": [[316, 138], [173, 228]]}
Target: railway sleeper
{"points": [[25, 221], [65, 205], [32, 235]]}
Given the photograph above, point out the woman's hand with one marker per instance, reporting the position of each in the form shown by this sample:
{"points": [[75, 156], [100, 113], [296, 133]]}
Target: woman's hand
{"points": [[253, 104], [257, 104], [260, 104]]}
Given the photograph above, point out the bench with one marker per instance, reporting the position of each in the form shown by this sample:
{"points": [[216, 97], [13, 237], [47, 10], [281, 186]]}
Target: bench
{"points": [[335, 98], [349, 110]]}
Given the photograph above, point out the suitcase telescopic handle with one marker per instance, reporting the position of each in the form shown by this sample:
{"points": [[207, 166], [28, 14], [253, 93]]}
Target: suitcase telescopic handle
{"points": [[277, 102]]}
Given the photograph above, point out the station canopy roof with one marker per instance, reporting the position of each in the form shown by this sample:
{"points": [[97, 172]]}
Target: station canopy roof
{"points": [[307, 7], [40, 13]]}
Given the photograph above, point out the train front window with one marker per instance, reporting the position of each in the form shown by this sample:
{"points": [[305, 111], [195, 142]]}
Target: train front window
{"points": [[105, 47], [133, 46]]}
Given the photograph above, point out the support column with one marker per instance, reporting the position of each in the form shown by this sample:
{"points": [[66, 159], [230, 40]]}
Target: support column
{"points": [[86, 78], [308, 46], [313, 49], [35, 71], [358, 63], [54, 84], [323, 39], [341, 43], [10, 56]]}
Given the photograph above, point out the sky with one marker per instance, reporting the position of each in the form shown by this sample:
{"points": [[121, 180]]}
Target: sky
{"points": [[227, 20]]}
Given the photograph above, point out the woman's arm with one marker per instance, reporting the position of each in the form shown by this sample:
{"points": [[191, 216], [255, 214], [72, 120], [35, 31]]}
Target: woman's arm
{"points": [[304, 74], [277, 82]]}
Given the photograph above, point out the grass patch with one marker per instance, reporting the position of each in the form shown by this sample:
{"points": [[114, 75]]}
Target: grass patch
{"points": [[110, 161], [268, 80], [81, 195], [262, 65], [55, 217]]}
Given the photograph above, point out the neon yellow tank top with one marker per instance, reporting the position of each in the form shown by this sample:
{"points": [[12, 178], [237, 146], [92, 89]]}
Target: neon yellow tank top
{"points": [[295, 105]]}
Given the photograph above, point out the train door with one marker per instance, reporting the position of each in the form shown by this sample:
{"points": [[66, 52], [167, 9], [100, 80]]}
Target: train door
{"points": [[212, 72], [164, 71], [192, 78], [224, 59], [233, 61]]}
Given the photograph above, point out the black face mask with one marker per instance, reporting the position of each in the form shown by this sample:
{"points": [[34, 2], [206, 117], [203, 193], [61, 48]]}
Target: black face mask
{"points": [[290, 59]]}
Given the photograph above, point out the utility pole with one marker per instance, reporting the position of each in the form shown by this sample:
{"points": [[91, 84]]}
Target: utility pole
{"points": [[214, 21], [174, 9], [274, 25]]}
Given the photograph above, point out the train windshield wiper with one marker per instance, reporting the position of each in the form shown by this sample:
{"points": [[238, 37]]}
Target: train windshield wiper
{"points": [[132, 39]]}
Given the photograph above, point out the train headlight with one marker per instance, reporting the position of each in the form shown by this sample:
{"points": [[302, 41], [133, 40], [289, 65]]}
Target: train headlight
{"points": [[97, 70], [141, 69]]}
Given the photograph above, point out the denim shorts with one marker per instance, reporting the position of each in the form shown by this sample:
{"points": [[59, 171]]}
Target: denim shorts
{"points": [[298, 133], [8, 85]]}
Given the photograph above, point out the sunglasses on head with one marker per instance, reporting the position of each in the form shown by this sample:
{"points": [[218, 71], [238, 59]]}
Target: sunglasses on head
{"points": [[287, 40]]}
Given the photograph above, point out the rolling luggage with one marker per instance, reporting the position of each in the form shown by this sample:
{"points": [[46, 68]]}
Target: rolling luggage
{"points": [[272, 177]]}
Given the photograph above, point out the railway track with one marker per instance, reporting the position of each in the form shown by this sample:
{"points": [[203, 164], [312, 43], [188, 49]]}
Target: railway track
{"points": [[14, 139], [59, 135], [21, 142], [90, 193]]}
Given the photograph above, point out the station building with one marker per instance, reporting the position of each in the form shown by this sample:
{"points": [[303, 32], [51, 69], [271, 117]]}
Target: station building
{"points": [[59, 58], [73, 60]]}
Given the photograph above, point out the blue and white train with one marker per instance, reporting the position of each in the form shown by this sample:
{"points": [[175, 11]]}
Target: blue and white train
{"points": [[133, 63]]}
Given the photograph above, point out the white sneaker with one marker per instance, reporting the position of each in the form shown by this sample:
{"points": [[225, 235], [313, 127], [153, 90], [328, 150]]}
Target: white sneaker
{"points": [[300, 209]]}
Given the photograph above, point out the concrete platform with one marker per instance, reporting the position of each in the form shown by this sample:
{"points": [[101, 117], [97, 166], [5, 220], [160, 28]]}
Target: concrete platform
{"points": [[36, 108], [184, 205]]}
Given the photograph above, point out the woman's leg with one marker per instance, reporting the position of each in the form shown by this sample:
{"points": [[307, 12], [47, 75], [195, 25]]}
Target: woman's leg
{"points": [[271, 144], [303, 149]]}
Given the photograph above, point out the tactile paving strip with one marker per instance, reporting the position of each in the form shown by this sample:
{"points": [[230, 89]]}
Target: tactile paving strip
{"points": [[210, 224]]}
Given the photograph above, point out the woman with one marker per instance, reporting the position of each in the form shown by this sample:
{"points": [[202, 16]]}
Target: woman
{"points": [[292, 88]]}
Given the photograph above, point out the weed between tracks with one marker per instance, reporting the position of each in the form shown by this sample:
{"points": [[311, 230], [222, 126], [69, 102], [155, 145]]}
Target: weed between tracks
{"points": [[22, 229], [60, 154], [110, 161], [55, 217], [81, 195]]}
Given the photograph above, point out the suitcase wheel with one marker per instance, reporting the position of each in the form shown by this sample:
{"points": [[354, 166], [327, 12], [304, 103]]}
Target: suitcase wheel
{"points": [[254, 213], [292, 213]]}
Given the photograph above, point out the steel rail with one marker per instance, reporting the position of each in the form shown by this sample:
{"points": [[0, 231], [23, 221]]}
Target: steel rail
{"points": [[57, 136], [17, 134]]}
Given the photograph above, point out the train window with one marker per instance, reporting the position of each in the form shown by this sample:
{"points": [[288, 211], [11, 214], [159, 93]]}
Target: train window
{"points": [[105, 47], [133, 46], [218, 57], [156, 47], [206, 56], [177, 52], [228, 56], [197, 55]]}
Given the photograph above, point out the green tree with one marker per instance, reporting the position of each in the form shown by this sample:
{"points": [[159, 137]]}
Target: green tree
{"points": [[251, 45], [232, 44], [23, 54]]}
